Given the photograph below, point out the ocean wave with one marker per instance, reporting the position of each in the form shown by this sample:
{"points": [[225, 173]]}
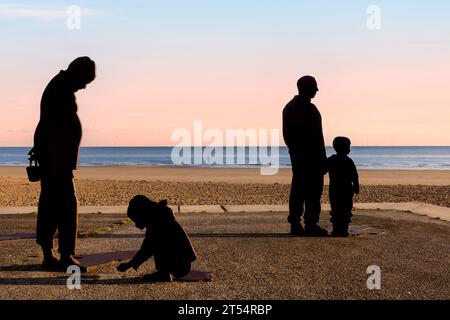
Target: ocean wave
{"points": [[386, 156], [383, 158]]}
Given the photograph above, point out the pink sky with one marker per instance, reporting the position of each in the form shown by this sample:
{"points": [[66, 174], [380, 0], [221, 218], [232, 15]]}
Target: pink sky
{"points": [[235, 69], [372, 107]]}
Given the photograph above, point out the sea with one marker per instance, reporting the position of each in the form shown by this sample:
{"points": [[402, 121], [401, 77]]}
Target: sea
{"points": [[376, 158]]}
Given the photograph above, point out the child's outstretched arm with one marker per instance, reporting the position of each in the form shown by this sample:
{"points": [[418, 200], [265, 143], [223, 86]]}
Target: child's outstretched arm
{"points": [[139, 258]]}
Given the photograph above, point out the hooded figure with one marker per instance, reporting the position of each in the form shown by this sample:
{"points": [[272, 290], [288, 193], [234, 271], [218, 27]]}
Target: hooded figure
{"points": [[165, 240]]}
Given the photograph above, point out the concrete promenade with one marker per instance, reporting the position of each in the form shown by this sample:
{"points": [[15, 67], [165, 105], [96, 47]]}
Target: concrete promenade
{"points": [[250, 254]]}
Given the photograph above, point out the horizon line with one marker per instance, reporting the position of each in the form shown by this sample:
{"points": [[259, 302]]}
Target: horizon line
{"points": [[268, 146]]}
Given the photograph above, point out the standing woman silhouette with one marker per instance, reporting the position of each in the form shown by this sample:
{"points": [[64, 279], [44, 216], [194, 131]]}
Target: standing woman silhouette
{"points": [[56, 145]]}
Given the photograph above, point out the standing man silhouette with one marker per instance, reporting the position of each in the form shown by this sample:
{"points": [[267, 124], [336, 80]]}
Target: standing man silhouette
{"points": [[56, 146], [302, 132]]}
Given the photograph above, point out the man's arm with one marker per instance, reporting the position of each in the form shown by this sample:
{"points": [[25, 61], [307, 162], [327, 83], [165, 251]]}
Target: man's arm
{"points": [[287, 135], [316, 141], [37, 143]]}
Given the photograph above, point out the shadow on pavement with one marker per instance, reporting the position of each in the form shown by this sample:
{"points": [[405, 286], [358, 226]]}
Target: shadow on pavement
{"points": [[26, 267], [62, 280], [200, 235]]}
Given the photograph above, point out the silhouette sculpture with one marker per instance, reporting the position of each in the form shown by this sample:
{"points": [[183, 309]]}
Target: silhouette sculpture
{"points": [[344, 183], [56, 146], [302, 132], [165, 240]]}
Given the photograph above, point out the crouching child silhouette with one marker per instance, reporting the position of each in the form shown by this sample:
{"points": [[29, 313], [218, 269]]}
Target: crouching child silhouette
{"points": [[165, 240], [344, 183]]}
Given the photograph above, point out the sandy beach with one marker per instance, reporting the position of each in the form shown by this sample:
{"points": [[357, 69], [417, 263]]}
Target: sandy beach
{"points": [[237, 175], [112, 186]]}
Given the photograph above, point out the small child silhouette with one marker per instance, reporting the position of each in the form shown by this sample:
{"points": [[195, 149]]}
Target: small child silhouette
{"points": [[165, 240], [344, 183]]}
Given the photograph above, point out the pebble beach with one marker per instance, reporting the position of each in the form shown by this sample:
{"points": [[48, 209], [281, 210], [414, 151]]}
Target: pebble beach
{"points": [[181, 186]]}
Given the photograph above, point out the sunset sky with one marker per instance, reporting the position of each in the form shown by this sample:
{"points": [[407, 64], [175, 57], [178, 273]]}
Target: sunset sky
{"points": [[161, 65]]}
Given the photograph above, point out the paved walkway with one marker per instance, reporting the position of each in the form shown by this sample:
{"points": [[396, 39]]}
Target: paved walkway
{"points": [[414, 207], [250, 255]]}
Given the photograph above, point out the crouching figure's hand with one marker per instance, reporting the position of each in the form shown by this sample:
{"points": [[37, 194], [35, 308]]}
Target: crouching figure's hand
{"points": [[123, 267]]}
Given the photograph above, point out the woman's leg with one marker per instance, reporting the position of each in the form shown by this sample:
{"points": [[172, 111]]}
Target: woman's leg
{"points": [[47, 221]]}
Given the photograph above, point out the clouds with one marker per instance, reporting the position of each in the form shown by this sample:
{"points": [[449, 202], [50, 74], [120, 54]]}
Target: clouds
{"points": [[39, 12]]}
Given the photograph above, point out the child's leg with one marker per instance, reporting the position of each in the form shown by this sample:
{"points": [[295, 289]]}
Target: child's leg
{"points": [[340, 229], [339, 217], [157, 277], [347, 217], [181, 271], [336, 214], [162, 273], [342, 217], [166, 266]]}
